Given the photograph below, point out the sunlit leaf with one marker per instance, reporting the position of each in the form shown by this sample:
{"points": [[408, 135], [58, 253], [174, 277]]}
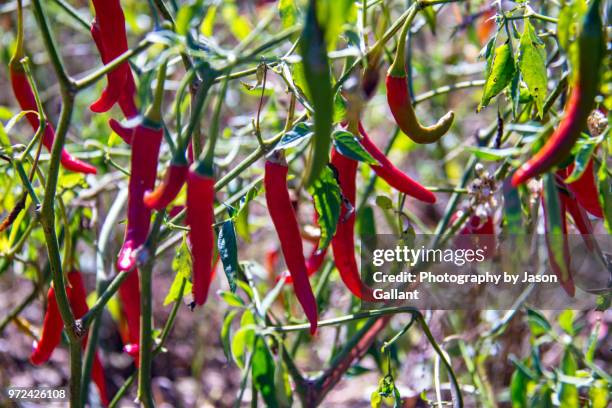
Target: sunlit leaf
{"points": [[348, 145], [532, 63], [499, 73]]}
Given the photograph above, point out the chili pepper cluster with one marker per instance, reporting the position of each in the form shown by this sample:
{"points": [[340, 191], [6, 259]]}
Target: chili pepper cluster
{"points": [[144, 133]]}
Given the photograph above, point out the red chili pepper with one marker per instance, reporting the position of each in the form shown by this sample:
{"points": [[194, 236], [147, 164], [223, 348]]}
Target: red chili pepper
{"points": [[53, 325], [343, 242], [111, 22], [78, 304], [400, 102], [146, 141], [51, 333], [129, 294], [585, 189], [124, 132], [200, 219], [286, 224], [576, 210], [392, 175], [580, 104], [27, 101], [167, 191], [126, 98], [581, 220]]}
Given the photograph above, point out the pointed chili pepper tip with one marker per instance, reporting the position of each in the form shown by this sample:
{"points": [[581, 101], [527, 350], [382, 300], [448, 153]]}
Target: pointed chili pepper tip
{"points": [[124, 133], [167, 191], [521, 175]]}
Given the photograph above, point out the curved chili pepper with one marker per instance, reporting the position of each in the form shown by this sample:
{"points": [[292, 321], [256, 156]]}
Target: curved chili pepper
{"points": [[343, 242], [111, 22], [51, 333], [146, 141], [129, 295], [580, 104], [585, 189], [286, 225], [78, 304], [392, 175], [167, 191], [124, 132], [25, 96], [400, 102], [200, 219], [27, 101], [126, 98]]}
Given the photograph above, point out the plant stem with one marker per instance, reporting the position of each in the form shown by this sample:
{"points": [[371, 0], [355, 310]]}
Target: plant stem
{"points": [[145, 395]]}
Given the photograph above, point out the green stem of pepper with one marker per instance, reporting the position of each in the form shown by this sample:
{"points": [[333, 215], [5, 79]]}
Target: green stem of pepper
{"points": [[153, 113]]}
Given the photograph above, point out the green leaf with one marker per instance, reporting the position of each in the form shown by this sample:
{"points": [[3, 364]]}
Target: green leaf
{"points": [[288, 12], [604, 187], [332, 15], [263, 372], [518, 389], [208, 23], [339, 108], [228, 251], [182, 265], [499, 73], [231, 299], [568, 395], [554, 218], [328, 202], [243, 338], [532, 63], [5, 142], [225, 332], [566, 321], [599, 394], [186, 15], [282, 385], [581, 161], [537, 322], [348, 145], [384, 202], [300, 132], [241, 216], [238, 25], [491, 154]]}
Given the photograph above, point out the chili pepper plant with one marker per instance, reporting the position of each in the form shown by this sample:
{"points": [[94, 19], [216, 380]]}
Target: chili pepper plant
{"points": [[188, 189]]}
